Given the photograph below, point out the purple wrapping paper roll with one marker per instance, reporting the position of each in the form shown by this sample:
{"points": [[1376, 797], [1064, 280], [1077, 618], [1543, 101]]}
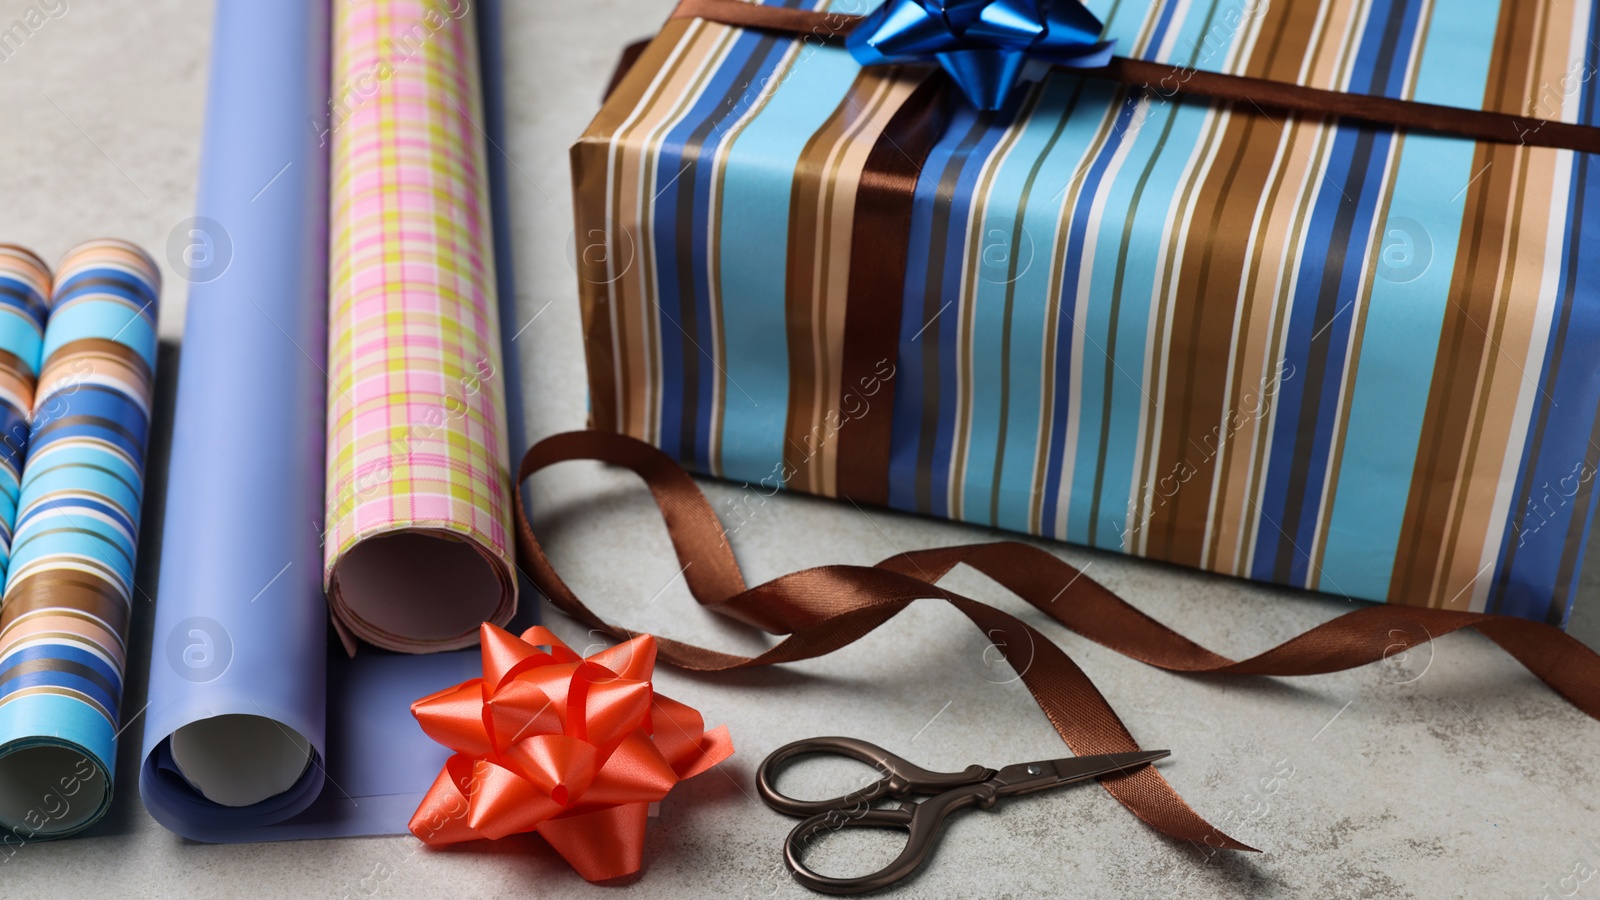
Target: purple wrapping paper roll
{"points": [[258, 727]]}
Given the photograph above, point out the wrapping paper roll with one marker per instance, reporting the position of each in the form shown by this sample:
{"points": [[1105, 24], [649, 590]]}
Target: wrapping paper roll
{"points": [[24, 306], [418, 502], [247, 692], [235, 731], [69, 591]]}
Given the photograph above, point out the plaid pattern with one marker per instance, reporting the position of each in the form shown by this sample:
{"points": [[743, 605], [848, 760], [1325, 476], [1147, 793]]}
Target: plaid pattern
{"points": [[415, 404]]}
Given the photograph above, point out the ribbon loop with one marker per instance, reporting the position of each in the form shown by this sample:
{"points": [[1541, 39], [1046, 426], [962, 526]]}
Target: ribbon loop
{"points": [[982, 44], [823, 609]]}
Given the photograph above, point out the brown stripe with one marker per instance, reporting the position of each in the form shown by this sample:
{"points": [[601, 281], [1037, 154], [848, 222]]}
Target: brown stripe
{"points": [[30, 259], [110, 715], [1577, 530], [625, 63], [802, 444], [64, 590], [1482, 125], [12, 363], [69, 359], [878, 253], [1462, 340], [1522, 256], [1259, 370], [1215, 263], [893, 93], [821, 25], [1307, 140], [1214, 266], [593, 240], [60, 664], [825, 200], [17, 381], [103, 252]]}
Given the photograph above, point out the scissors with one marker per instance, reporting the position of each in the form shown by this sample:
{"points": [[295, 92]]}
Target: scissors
{"points": [[948, 792]]}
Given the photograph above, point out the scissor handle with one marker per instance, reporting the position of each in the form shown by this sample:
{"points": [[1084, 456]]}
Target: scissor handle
{"points": [[923, 822], [899, 777]]}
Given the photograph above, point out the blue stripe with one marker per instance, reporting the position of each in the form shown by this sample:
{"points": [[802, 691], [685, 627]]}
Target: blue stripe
{"points": [[754, 315], [56, 650], [21, 336], [683, 167], [104, 319], [959, 153], [63, 722], [1406, 309], [1328, 283], [1096, 316], [1030, 296], [1141, 204], [107, 280], [85, 469], [1555, 504], [988, 306], [20, 295], [91, 411]]}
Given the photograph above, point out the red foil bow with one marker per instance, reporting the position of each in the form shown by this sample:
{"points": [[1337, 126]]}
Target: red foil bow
{"points": [[573, 748]]}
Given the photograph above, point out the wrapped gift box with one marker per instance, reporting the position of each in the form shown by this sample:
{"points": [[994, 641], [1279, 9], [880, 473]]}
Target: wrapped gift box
{"points": [[1315, 352]]}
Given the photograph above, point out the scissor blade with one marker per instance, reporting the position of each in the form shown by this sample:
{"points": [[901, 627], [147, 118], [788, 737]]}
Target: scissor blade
{"points": [[1077, 768], [1025, 778]]}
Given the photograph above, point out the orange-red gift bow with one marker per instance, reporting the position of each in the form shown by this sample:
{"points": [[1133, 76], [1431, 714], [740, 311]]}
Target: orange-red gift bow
{"points": [[574, 748]]}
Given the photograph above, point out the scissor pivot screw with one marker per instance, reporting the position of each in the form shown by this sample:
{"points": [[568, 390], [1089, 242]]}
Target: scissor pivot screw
{"points": [[1035, 770]]}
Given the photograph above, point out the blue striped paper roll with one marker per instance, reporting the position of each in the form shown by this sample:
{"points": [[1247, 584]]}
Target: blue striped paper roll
{"points": [[69, 591], [24, 305]]}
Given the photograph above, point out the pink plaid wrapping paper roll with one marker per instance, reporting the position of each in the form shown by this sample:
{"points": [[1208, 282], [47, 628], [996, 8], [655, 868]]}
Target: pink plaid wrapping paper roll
{"points": [[418, 511]]}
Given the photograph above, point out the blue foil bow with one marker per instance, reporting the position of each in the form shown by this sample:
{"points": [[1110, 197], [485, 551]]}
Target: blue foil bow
{"points": [[982, 44]]}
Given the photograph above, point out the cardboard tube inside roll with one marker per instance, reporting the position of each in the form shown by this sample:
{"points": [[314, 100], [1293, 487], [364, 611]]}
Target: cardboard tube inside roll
{"points": [[419, 591], [240, 760], [50, 789]]}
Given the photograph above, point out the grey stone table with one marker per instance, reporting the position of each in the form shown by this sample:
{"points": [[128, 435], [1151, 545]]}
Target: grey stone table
{"points": [[1471, 779]]}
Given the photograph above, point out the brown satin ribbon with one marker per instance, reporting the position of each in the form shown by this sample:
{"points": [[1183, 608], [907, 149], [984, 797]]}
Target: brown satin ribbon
{"points": [[1168, 81], [823, 609]]}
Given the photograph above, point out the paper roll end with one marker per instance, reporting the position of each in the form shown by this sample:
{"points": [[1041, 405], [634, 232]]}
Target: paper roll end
{"points": [[50, 790], [420, 591], [239, 760]]}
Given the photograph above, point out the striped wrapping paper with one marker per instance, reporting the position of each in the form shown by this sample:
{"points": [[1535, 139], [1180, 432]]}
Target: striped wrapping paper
{"points": [[417, 548], [69, 593], [24, 305], [1326, 355]]}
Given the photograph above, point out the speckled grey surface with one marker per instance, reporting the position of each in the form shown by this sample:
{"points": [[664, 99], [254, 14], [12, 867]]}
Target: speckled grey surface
{"points": [[1451, 773]]}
